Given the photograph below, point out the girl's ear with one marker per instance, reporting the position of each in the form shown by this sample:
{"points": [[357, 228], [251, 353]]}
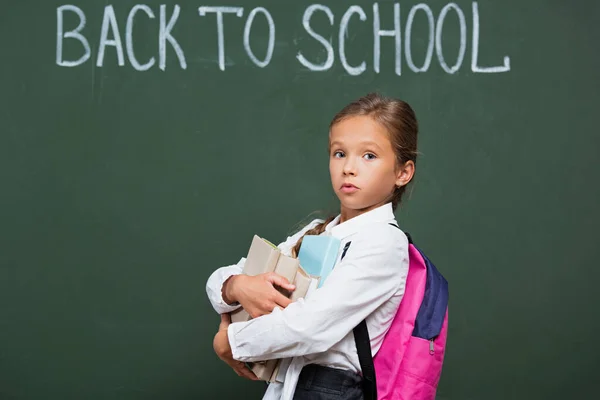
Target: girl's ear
{"points": [[405, 173]]}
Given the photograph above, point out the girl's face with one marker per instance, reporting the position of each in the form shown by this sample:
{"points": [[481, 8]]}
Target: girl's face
{"points": [[362, 165]]}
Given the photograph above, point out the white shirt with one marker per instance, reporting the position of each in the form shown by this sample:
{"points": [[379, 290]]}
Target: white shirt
{"points": [[368, 283]]}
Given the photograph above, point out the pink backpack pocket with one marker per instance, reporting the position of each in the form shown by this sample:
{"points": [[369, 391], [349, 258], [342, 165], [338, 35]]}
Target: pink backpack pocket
{"points": [[420, 370]]}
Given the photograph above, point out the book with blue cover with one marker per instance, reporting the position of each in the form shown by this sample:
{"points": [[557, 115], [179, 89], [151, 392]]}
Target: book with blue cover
{"points": [[318, 254]]}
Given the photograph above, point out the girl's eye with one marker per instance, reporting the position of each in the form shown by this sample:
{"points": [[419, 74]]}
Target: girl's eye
{"points": [[338, 154], [370, 156]]}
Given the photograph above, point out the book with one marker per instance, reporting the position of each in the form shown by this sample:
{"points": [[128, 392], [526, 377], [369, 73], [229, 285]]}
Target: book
{"points": [[318, 255], [264, 256]]}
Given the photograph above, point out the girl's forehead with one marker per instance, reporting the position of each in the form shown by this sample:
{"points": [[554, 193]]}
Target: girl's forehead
{"points": [[359, 129]]}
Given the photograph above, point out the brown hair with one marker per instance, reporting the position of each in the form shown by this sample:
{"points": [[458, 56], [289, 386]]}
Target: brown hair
{"points": [[400, 122]]}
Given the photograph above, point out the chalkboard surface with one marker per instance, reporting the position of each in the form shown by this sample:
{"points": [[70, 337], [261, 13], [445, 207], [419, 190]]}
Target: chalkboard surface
{"points": [[142, 145]]}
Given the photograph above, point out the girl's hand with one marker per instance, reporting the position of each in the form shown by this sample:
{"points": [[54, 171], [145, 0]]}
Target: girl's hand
{"points": [[223, 350], [257, 294]]}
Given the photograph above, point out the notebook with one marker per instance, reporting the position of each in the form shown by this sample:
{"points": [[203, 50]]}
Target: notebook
{"points": [[318, 254]]}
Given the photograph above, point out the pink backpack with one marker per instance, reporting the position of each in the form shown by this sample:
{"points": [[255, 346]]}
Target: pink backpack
{"points": [[408, 365]]}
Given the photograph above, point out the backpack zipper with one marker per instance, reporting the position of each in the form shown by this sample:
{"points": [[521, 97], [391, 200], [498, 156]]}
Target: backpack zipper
{"points": [[431, 349]]}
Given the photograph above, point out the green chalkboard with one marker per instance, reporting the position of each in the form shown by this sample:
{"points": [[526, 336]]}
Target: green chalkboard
{"points": [[143, 144]]}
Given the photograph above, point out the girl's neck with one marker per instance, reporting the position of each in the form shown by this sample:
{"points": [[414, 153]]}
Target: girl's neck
{"points": [[347, 214]]}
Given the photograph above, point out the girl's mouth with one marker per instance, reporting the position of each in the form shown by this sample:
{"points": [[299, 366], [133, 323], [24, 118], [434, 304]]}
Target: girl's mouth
{"points": [[348, 188]]}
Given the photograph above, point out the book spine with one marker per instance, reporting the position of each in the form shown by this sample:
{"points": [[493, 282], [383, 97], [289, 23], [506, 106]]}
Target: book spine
{"points": [[264, 369]]}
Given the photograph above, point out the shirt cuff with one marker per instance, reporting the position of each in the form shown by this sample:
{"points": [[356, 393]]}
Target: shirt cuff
{"points": [[226, 308], [214, 287]]}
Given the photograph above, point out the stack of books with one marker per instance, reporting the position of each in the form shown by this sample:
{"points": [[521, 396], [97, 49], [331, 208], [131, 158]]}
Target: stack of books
{"points": [[316, 259]]}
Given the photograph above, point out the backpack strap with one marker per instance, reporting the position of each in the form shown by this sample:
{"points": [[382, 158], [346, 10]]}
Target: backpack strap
{"points": [[345, 250], [365, 358], [410, 241], [363, 348]]}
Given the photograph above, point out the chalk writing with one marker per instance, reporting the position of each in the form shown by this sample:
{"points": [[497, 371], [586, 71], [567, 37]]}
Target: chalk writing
{"points": [[271, 44], [386, 21], [463, 38], [129, 38]]}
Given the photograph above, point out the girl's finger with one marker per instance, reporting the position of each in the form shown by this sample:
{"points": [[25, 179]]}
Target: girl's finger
{"points": [[280, 281], [282, 301], [244, 372]]}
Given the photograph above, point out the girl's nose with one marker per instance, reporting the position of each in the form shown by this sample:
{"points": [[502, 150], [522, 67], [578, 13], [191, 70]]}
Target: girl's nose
{"points": [[349, 167]]}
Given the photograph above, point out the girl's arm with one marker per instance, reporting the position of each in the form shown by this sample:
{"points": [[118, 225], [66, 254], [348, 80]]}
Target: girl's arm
{"points": [[249, 299], [374, 269]]}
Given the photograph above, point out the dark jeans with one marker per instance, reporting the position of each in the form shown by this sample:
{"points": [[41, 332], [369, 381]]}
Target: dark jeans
{"points": [[323, 383]]}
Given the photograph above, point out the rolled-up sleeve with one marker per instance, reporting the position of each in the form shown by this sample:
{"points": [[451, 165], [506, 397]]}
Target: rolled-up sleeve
{"points": [[374, 269], [214, 286]]}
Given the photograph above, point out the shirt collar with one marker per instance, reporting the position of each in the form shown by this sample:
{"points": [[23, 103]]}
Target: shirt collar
{"points": [[384, 213]]}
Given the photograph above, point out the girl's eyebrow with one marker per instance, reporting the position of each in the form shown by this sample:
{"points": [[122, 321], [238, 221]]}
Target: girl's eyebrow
{"points": [[371, 143], [364, 143]]}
